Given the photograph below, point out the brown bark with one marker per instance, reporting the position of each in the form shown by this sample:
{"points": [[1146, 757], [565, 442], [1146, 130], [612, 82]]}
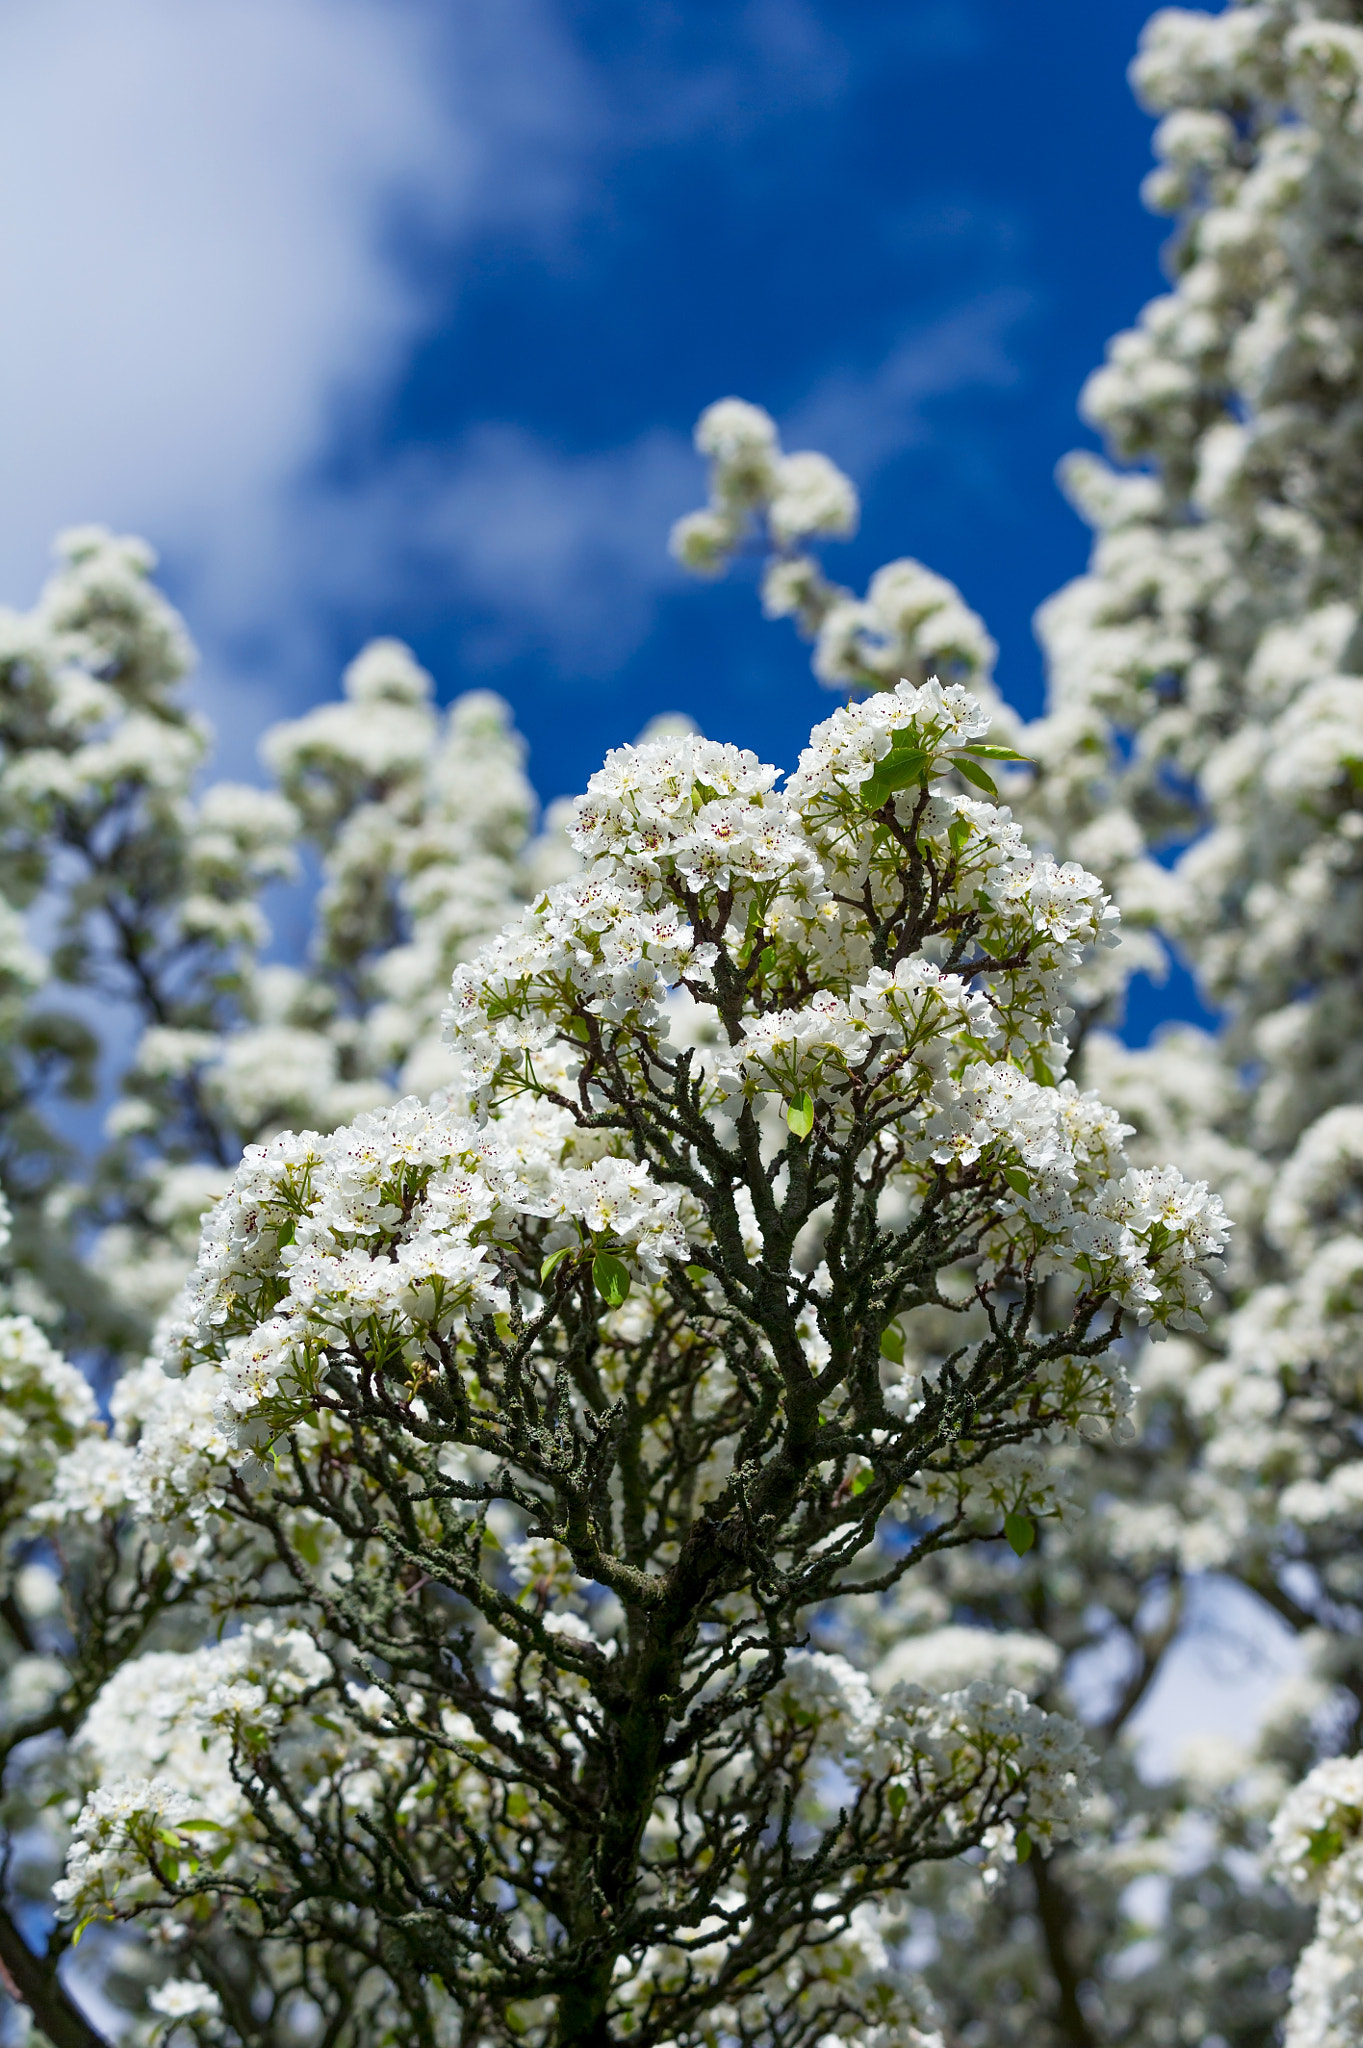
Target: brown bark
{"points": [[34, 1982], [1053, 1908]]}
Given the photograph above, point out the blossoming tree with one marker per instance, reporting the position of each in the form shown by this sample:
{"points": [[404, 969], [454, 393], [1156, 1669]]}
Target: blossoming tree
{"points": [[615, 1548], [451, 1630]]}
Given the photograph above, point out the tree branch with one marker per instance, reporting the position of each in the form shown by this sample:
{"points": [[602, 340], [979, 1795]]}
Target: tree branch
{"points": [[34, 1982]]}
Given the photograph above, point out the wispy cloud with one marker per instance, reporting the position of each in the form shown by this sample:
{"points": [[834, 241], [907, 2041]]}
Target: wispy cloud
{"points": [[534, 549], [864, 418], [675, 75]]}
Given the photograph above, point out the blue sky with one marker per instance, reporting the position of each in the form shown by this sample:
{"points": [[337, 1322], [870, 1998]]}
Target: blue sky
{"points": [[395, 315]]}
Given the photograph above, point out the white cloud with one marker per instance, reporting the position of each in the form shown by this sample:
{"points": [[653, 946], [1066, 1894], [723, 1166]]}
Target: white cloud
{"points": [[198, 208], [538, 549]]}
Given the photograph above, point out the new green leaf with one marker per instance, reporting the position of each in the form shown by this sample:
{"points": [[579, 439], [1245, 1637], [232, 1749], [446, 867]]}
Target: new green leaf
{"points": [[973, 772], [612, 1278], [800, 1115], [908, 761]]}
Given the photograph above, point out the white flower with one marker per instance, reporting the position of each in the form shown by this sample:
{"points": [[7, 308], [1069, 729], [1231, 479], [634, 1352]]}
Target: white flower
{"points": [[812, 496], [182, 1998]]}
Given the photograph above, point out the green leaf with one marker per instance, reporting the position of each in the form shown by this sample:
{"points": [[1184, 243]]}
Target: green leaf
{"points": [[862, 1481], [973, 772], [985, 752], [553, 1259], [902, 766], [196, 1827], [1020, 1531], [698, 1274], [897, 1799], [1017, 1180], [88, 1921], [1323, 1844], [1022, 1841], [612, 1278], [958, 833], [892, 1343], [800, 1115], [766, 960]]}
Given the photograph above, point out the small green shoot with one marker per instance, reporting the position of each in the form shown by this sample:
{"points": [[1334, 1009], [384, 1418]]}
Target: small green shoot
{"points": [[800, 1115], [612, 1278]]}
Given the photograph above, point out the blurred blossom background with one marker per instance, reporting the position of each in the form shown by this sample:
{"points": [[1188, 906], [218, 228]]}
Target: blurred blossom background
{"points": [[395, 316]]}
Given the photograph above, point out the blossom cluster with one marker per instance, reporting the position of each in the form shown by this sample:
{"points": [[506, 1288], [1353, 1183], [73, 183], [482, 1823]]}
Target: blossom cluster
{"points": [[47, 1414], [1317, 1840], [161, 1741], [799, 494], [391, 1224], [986, 1735], [694, 860], [422, 825], [911, 621]]}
